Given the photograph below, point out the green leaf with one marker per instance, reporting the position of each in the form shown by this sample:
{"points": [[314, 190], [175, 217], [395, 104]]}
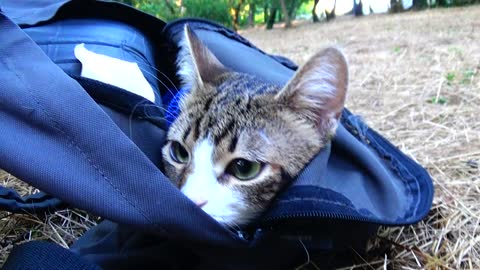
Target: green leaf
{"points": [[439, 100]]}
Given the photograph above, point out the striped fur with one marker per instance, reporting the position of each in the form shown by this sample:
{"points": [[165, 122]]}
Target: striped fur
{"points": [[229, 115]]}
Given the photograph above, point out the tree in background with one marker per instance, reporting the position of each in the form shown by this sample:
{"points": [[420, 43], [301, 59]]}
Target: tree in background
{"points": [[396, 6], [165, 9], [285, 13], [331, 14], [252, 10], [219, 10], [357, 8], [419, 4], [314, 11], [271, 17], [237, 6], [271, 8], [240, 13]]}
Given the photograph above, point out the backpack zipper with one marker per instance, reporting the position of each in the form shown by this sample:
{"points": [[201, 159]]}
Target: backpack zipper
{"points": [[316, 214]]}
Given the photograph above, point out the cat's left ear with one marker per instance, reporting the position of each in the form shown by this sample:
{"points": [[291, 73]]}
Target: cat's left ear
{"points": [[318, 89], [196, 63]]}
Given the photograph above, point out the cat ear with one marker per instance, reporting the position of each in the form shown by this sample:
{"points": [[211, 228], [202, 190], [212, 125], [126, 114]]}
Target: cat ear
{"points": [[196, 63], [319, 87]]}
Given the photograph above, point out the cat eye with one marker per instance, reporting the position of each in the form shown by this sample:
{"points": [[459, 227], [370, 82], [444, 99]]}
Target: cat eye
{"points": [[244, 169], [178, 152]]}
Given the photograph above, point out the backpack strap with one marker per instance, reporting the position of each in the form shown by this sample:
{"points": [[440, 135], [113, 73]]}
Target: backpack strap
{"points": [[55, 137], [40, 19], [36, 203], [41, 255]]}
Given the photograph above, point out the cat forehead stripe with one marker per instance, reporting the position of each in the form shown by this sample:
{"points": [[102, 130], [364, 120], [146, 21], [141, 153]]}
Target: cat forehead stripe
{"points": [[187, 131], [228, 115]]}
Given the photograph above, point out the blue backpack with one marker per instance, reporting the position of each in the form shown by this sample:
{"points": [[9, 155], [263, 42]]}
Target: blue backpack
{"points": [[93, 146]]}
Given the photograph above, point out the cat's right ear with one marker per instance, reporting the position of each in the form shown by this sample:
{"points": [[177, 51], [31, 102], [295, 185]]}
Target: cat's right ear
{"points": [[197, 65], [318, 89]]}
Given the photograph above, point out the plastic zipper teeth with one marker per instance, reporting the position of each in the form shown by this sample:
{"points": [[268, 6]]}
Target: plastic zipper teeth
{"points": [[246, 235], [314, 214]]}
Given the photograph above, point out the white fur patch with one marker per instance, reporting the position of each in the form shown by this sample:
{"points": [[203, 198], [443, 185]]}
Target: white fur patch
{"points": [[185, 64], [202, 185]]}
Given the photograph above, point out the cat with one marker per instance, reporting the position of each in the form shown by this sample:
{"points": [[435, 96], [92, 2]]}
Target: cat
{"points": [[239, 140]]}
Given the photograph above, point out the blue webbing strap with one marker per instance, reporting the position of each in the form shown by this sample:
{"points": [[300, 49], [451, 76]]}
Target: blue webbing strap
{"points": [[40, 255], [40, 202], [55, 137]]}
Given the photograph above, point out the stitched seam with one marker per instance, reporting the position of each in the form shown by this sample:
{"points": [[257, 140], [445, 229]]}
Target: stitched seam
{"points": [[71, 140], [317, 200], [388, 159]]}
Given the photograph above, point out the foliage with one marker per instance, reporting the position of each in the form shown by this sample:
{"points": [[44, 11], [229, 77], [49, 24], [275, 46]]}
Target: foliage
{"points": [[218, 10], [164, 9], [438, 100], [241, 13], [422, 4], [468, 76], [450, 76]]}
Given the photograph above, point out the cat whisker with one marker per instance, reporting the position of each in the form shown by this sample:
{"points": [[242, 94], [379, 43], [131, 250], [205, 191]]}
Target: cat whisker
{"points": [[157, 118], [223, 222], [130, 117], [164, 75], [160, 81], [167, 112], [233, 225], [157, 70], [234, 108], [181, 95], [141, 103]]}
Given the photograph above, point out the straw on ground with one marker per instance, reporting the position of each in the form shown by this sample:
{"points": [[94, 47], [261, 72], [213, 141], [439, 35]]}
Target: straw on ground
{"points": [[414, 77]]}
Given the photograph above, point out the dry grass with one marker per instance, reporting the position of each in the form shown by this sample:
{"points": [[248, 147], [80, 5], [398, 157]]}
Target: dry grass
{"points": [[414, 77]]}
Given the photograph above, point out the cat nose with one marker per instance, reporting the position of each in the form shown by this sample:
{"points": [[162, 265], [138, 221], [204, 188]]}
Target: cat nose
{"points": [[200, 202]]}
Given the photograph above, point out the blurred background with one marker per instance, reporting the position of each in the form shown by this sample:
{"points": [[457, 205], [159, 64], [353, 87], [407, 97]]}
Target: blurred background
{"points": [[248, 13], [413, 77]]}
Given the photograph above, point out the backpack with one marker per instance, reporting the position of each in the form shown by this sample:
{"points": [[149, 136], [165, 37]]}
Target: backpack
{"points": [[94, 146]]}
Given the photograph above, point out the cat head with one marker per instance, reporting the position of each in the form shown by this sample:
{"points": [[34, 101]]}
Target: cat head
{"points": [[238, 140]]}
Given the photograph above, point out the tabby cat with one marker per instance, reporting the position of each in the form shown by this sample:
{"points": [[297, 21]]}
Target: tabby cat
{"points": [[238, 140]]}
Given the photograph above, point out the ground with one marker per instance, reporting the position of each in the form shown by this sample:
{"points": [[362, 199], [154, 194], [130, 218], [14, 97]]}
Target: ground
{"points": [[414, 77]]}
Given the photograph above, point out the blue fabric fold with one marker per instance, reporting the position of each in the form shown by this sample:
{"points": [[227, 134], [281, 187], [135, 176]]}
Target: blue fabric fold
{"points": [[97, 147], [57, 138]]}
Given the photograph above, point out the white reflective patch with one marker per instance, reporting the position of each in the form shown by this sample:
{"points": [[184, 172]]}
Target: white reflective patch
{"points": [[202, 185], [114, 71]]}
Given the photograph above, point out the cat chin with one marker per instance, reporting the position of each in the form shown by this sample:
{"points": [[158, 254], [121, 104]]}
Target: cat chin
{"points": [[233, 217], [232, 222], [227, 214]]}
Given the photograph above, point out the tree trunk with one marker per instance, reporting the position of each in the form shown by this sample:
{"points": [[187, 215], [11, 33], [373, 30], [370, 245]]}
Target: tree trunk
{"points": [[419, 4], [251, 15], [292, 10], [331, 15], [288, 23], [442, 3], [314, 12], [271, 18], [236, 15], [170, 7], [395, 6], [265, 14], [357, 8]]}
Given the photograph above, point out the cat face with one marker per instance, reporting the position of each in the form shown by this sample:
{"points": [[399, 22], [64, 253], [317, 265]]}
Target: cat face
{"points": [[238, 140]]}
